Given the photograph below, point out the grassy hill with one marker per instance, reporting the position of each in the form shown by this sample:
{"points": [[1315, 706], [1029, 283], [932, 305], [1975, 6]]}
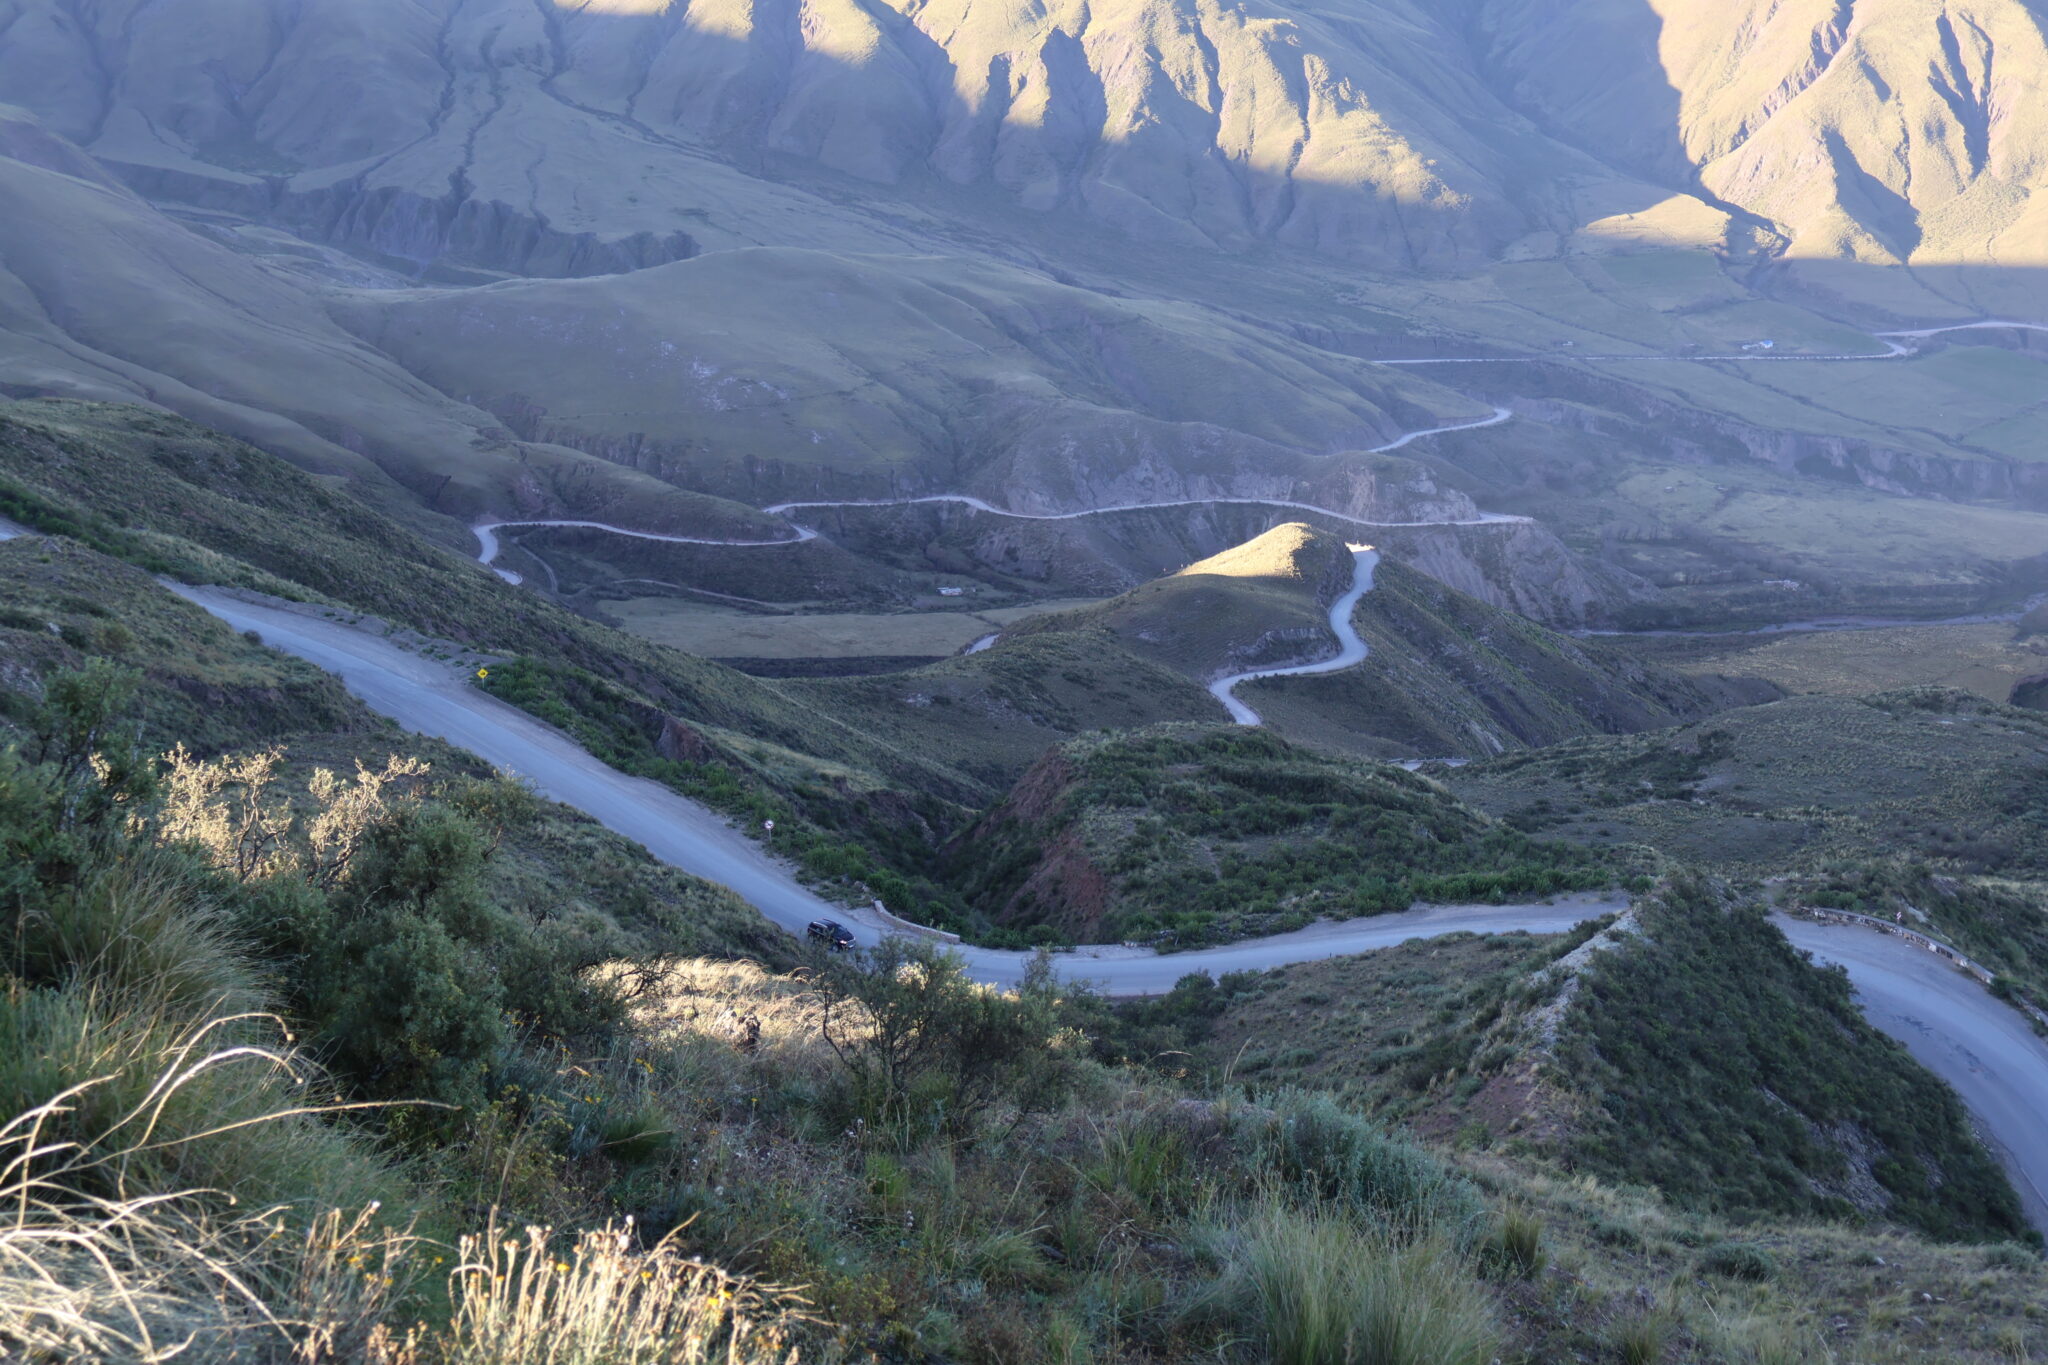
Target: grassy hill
{"points": [[1266, 600], [176, 499], [1449, 675], [1930, 771], [1191, 835], [1925, 804], [201, 685], [1679, 1051]]}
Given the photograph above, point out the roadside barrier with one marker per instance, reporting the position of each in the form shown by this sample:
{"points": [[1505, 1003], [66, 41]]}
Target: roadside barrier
{"points": [[1932, 945]]}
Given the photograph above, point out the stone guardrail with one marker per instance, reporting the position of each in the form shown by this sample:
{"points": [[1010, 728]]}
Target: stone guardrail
{"points": [[1931, 944]]}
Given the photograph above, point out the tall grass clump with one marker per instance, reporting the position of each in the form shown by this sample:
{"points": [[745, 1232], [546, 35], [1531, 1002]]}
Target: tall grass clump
{"points": [[1325, 1293], [142, 1101], [104, 1255]]}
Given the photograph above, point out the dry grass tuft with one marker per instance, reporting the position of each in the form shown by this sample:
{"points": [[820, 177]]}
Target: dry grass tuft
{"points": [[98, 1262], [520, 1301]]}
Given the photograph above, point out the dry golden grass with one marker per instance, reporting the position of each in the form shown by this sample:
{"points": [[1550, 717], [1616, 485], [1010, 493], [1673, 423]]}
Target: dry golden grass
{"points": [[523, 1300], [1295, 551], [99, 1259]]}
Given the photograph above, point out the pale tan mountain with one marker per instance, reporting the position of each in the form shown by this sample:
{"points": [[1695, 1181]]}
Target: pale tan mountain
{"points": [[563, 138], [1879, 132], [544, 256], [103, 297]]}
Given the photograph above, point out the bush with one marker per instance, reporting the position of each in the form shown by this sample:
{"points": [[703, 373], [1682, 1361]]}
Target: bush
{"points": [[1739, 1261], [927, 1050], [1323, 1152], [2011, 1256]]}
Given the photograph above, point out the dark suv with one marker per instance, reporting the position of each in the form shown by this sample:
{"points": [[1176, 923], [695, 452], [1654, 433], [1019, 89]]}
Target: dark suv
{"points": [[832, 934]]}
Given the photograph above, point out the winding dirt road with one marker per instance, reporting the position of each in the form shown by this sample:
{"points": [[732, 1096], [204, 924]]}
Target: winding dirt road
{"points": [[1892, 350], [1953, 1026], [431, 697], [489, 547], [1350, 649]]}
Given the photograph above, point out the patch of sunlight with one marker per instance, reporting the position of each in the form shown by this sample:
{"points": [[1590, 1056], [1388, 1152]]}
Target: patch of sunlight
{"points": [[1283, 552]]}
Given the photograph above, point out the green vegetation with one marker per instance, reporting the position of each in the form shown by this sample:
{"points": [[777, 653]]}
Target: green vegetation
{"points": [[140, 904], [1937, 773], [1201, 835], [213, 510], [1415, 1033], [846, 834], [1988, 659], [947, 1172], [1265, 601], [1448, 674], [1730, 1074]]}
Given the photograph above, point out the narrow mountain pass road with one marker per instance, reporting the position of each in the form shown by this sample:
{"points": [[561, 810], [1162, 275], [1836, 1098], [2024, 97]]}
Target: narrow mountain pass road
{"points": [[1957, 1030], [430, 697], [1952, 1025], [1350, 648]]}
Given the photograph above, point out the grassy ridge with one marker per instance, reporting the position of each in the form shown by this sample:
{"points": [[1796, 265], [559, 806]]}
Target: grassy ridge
{"points": [[1933, 772], [186, 501], [1448, 674], [1731, 1074], [1197, 835]]}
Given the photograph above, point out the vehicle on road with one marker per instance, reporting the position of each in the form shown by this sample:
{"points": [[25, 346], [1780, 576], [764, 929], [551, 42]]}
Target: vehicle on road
{"points": [[831, 933]]}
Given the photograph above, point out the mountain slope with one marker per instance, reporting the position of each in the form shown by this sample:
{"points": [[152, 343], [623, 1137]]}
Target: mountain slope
{"points": [[1449, 675], [1203, 835], [776, 374], [1881, 132], [424, 128]]}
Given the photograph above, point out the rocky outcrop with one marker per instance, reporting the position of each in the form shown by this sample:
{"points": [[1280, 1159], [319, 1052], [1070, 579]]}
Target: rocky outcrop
{"points": [[1520, 567], [440, 236]]}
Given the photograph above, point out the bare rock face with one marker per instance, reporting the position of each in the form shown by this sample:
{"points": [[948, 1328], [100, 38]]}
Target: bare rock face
{"points": [[1868, 130], [1519, 566]]}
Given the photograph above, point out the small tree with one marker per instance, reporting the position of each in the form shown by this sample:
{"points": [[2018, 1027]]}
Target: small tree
{"points": [[928, 1050]]}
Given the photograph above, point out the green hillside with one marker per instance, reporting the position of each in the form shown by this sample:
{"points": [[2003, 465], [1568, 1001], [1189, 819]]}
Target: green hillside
{"points": [[1448, 675], [1187, 835], [1928, 771]]}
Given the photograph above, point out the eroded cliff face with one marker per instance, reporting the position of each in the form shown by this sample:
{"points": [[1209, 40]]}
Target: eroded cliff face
{"points": [[1867, 130], [1519, 566]]}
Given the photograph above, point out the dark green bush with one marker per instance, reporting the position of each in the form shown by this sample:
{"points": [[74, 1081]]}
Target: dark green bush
{"points": [[1739, 1261]]}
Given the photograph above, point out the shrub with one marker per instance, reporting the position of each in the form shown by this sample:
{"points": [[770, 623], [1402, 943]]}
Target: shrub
{"points": [[1739, 1261], [1324, 1294], [926, 1049], [2011, 1256], [1323, 1151]]}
